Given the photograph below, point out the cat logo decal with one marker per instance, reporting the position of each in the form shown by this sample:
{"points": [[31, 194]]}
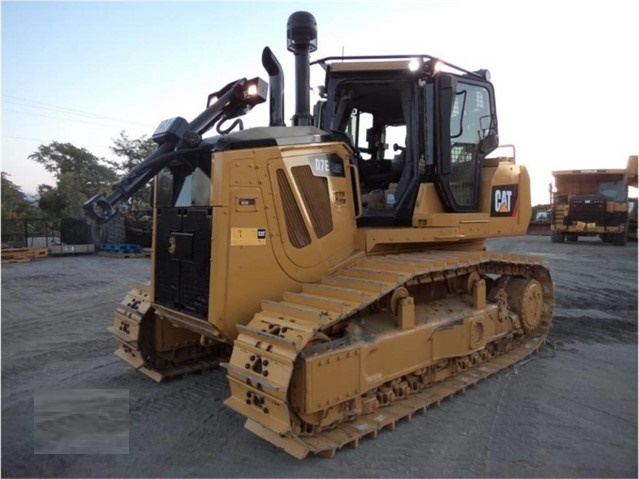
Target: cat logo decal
{"points": [[505, 201]]}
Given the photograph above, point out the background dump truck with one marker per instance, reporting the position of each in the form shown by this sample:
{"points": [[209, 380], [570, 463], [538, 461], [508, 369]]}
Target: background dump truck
{"points": [[539, 221], [592, 202]]}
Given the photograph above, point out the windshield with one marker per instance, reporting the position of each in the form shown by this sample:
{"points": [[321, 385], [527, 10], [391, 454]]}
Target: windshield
{"points": [[613, 190]]}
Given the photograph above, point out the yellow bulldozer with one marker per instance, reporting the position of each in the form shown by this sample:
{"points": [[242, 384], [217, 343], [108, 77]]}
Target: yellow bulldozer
{"points": [[343, 283]]}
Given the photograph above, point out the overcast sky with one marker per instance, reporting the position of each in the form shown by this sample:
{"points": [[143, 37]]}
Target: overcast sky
{"points": [[565, 72]]}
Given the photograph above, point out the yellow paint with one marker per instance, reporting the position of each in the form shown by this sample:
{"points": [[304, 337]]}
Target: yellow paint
{"points": [[247, 237]]}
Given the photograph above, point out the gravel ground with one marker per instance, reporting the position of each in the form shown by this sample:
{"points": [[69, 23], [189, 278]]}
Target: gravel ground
{"points": [[570, 411]]}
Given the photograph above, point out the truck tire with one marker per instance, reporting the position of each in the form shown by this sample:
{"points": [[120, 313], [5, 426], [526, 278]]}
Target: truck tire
{"points": [[557, 237], [572, 237], [620, 239]]}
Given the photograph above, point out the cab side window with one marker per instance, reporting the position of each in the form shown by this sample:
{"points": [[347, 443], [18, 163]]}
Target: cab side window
{"points": [[469, 123]]}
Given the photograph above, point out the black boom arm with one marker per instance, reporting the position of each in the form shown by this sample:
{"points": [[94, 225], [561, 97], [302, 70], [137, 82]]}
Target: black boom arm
{"points": [[177, 136]]}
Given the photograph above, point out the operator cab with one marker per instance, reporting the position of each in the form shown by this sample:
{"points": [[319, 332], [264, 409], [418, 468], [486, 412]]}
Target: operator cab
{"points": [[410, 125]]}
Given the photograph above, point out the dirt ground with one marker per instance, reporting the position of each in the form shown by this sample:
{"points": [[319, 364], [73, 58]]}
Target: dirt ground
{"points": [[570, 411]]}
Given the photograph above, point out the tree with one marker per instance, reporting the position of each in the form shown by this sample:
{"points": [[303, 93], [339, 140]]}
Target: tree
{"points": [[79, 174], [95, 174], [14, 202], [133, 152], [15, 209]]}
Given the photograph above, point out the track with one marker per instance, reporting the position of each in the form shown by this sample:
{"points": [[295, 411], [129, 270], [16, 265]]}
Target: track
{"points": [[132, 329], [264, 357], [567, 411]]}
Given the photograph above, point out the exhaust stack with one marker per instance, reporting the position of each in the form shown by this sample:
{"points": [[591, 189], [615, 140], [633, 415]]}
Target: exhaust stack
{"points": [[276, 84], [301, 36]]}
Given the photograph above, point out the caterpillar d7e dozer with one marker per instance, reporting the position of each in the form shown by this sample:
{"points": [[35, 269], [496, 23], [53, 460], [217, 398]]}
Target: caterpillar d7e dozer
{"points": [[345, 287]]}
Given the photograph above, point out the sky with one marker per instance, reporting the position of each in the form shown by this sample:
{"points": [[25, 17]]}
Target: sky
{"points": [[565, 72]]}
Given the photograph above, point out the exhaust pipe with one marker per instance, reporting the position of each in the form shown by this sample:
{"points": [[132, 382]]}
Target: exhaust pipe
{"points": [[301, 38], [276, 87]]}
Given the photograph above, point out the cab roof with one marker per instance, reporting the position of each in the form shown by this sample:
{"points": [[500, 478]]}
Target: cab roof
{"points": [[389, 63]]}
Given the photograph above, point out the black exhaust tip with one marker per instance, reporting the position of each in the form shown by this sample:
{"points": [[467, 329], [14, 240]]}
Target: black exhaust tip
{"points": [[301, 36], [276, 87]]}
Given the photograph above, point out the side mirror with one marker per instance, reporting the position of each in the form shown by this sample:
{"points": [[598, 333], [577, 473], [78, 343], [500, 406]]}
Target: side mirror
{"points": [[489, 143]]}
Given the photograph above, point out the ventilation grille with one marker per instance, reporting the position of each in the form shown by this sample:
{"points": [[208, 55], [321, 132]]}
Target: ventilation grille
{"points": [[588, 209], [314, 191], [295, 226]]}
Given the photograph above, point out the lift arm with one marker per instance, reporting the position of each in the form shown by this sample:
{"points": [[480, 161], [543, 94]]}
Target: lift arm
{"points": [[177, 136]]}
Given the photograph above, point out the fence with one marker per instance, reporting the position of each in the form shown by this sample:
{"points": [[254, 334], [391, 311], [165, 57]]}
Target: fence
{"points": [[27, 233], [38, 233]]}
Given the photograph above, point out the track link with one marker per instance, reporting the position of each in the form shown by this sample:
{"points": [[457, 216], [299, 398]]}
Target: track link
{"points": [[132, 320], [264, 354]]}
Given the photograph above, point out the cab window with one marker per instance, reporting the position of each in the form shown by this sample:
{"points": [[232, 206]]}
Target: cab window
{"points": [[470, 122]]}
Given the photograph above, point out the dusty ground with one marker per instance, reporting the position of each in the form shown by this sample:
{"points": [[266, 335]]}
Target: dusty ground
{"points": [[570, 411]]}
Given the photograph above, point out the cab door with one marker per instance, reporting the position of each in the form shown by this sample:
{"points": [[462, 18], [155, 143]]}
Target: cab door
{"points": [[465, 132]]}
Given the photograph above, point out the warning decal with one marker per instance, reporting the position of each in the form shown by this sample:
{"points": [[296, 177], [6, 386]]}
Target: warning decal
{"points": [[248, 236]]}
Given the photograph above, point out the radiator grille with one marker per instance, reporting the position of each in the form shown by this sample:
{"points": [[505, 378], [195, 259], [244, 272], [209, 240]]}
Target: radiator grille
{"points": [[316, 198], [587, 209], [296, 228]]}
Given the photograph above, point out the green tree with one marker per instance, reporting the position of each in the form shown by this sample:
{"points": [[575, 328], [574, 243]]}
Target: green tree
{"points": [[14, 202], [79, 175], [15, 208], [132, 152]]}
